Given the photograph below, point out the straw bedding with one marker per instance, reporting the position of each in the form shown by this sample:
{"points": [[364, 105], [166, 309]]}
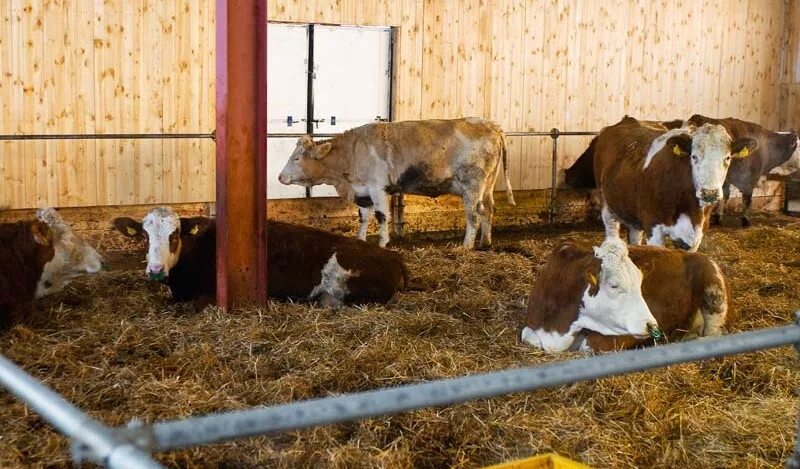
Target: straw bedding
{"points": [[115, 346]]}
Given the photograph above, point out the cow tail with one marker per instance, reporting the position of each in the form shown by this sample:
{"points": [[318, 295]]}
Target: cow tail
{"points": [[504, 154]]}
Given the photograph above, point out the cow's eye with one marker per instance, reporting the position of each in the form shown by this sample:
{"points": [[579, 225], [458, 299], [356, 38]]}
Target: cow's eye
{"points": [[614, 286], [727, 160], [694, 158]]}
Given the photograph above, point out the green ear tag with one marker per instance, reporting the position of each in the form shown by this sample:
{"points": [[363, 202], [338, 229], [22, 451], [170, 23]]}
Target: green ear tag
{"points": [[131, 231]]}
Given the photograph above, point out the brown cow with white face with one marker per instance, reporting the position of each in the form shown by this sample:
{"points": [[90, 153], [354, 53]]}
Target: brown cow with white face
{"points": [[777, 154], [663, 183], [304, 263], [685, 292], [431, 158]]}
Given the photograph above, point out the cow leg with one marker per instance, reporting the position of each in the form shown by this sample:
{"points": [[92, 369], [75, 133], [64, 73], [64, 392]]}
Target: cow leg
{"points": [[656, 236], [747, 201], [486, 219], [382, 214], [719, 212], [635, 236], [714, 309], [611, 223], [471, 212], [364, 214]]}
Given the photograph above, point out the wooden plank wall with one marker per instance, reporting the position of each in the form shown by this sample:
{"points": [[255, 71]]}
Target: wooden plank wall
{"points": [[148, 66], [790, 83]]}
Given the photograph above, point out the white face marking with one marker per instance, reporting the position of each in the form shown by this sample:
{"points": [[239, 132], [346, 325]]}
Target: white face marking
{"points": [[618, 308], [333, 281], [711, 158], [73, 256], [159, 225], [791, 165], [683, 233]]}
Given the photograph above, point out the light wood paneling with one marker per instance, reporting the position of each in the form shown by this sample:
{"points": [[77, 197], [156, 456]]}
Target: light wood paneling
{"points": [[110, 66]]}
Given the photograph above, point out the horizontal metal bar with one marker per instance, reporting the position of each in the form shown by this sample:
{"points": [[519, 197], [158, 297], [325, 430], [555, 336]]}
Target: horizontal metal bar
{"points": [[510, 134], [259, 421], [95, 440], [11, 137]]}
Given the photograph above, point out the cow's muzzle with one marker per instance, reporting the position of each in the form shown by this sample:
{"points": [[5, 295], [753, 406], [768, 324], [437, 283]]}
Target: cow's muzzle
{"points": [[681, 244], [284, 179], [709, 195]]}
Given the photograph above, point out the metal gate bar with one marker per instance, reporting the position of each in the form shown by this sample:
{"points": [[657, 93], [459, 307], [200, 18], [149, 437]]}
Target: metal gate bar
{"points": [[90, 439], [259, 421]]}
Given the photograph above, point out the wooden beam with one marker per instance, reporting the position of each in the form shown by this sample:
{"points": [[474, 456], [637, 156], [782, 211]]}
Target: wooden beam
{"points": [[241, 151]]}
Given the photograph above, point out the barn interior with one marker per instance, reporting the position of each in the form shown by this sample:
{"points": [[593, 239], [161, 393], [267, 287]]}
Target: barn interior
{"points": [[116, 345]]}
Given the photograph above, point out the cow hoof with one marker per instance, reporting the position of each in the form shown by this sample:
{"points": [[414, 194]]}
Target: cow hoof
{"points": [[716, 220], [484, 247], [746, 222]]}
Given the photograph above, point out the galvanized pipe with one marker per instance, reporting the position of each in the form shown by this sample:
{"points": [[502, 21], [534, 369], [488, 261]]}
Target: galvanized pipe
{"points": [[91, 439], [551, 214], [304, 414]]}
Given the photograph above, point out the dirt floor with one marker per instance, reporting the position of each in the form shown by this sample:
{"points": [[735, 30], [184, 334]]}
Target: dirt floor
{"points": [[114, 345]]}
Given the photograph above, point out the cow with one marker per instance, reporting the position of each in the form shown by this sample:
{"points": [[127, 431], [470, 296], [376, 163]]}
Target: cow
{"points": [[25, 248], [581, 174], [574, 305], [73, 256], [597, 289], [430, 158], [304, 263], [663, 183], [777, 154]]}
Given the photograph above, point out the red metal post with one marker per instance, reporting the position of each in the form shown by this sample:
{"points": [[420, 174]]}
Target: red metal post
{"points": [[241, 84]]}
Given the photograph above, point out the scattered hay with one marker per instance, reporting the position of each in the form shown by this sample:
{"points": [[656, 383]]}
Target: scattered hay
{"points": [[115, 346]]}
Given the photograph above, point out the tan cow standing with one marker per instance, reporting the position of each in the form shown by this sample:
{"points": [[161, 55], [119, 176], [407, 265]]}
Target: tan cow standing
{"points": [[431, 158]]}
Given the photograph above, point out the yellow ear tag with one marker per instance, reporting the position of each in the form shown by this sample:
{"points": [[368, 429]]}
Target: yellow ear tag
{"points": [[677, 150], [195, 229], [131, 231], [744, 152], [592, 279]]}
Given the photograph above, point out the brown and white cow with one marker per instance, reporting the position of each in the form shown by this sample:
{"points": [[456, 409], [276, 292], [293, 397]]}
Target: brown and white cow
{"points": [[304, 263], [573, 304], [777, 154], [25, 248], [581, 174], [430, 157], [663, 183], [73, 256]]}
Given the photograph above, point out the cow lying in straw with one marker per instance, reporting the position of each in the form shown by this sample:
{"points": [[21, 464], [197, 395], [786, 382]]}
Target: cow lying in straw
{"points": [[304, 263], [592, 301], [38, 258], [431, 158]]}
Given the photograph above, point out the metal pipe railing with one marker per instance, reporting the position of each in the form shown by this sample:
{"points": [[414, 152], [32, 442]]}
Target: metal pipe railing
{"points": [[91, 439], [141, 136], [259, 421]]}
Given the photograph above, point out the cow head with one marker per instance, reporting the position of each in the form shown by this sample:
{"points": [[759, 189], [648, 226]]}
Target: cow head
{"points": [[304, 167], [710, 150], [166, 234], [613, 303], [786, 144], [73, 256]]}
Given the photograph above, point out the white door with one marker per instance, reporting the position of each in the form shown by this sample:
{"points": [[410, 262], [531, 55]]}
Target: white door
{"points": [[352, 80], [287, 97]]}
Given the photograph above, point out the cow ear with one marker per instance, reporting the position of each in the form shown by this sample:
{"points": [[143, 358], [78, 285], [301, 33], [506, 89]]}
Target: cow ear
{"points": [[743, 147], [305, 141], [41, 233], [321, 151], [680, 145], [128, 226], [195, 226]]}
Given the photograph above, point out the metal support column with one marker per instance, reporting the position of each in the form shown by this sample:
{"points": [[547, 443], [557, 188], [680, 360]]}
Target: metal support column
{"points": [[241, 151]]}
